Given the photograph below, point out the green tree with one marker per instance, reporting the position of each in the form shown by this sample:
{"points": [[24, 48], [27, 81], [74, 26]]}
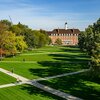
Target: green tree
{"points": [[15, 29], [6, 22], [7, 41], [96, 48], [24, 35], [10, 42], [82, 42], [58, 41], [90, 41], [20, 43], [42, 40], [3, 28]]}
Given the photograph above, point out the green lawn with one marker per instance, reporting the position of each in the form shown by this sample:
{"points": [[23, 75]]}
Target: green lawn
{"points": [[28, 57], [5, 79], [60, 60], [80, 85], [25, 92], [47, 61]]}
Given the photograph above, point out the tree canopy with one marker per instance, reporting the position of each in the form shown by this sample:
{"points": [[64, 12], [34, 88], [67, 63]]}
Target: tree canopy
{"points": [[58, 41], [15, 38], [89, 41]]}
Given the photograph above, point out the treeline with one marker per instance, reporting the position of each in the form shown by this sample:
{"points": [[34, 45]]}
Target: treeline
{"points": [[89, 41], [16, 38]]}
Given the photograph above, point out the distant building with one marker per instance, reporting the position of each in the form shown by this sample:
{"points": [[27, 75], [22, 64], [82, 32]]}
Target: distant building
{"points": [[67, 36]]}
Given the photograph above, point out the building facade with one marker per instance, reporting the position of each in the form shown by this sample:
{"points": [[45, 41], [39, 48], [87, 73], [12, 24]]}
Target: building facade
{"points": [[67, 36]]}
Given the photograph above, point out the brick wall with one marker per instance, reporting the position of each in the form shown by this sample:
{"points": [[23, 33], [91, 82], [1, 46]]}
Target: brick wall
{"points": [[66, 40]]}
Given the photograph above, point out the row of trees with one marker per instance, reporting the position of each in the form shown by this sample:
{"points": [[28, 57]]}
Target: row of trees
{"points": [[33, 38], [89, 41], [16, 38]]}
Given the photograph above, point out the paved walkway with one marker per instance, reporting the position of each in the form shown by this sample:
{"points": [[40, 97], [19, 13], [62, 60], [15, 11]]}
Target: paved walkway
{"points": [[12, 84], [54, 91], [14, 75], [66, 74], [41, 86]]}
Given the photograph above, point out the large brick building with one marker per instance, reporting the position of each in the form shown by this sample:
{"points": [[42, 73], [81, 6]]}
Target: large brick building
{"points": [[67, 36]]}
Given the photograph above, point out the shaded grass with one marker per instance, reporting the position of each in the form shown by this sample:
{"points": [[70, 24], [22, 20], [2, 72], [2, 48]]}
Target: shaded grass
{"points": [[25, 92], [48, 64], [5, 79], [66, 59], [22, 68], [43, 69], [80, 85]]}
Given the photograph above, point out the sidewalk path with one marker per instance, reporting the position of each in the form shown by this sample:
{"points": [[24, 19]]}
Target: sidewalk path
{"points": [[14, 75], [66, 74], [11, 84], [54, 91], [41, 86]]}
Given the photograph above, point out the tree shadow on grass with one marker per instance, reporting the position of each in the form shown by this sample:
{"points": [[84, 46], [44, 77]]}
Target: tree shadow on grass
{"points": [[51, 68], [71, 49], [76, 85], [71, 58], [64, 63], [35, 91]]}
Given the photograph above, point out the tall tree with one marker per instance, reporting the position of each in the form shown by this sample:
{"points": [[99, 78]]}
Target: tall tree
{"points": [[3, 28], [20, 43], [58, 41], [91, 43], [81, 40]]}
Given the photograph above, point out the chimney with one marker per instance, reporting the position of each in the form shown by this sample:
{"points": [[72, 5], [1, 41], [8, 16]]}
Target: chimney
{"points": [[58, 29], [66, 26], [73, 30]]}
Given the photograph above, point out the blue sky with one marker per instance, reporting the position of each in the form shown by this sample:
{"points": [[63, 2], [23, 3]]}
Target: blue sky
{"points": [[50, 14]]}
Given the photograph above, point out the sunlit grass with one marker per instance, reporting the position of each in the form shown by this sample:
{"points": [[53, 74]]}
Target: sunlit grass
{"points": [[5, 79], [36, 65], [25, 92], [80, 85]]}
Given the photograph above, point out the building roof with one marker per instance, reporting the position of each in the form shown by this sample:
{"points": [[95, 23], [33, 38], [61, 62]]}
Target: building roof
{"points": [[62, 31]]}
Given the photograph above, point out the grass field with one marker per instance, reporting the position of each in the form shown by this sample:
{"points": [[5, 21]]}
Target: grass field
{"points": [[5, 79], [25, 92], [59, 60], [80, 85], [47, 61]]}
